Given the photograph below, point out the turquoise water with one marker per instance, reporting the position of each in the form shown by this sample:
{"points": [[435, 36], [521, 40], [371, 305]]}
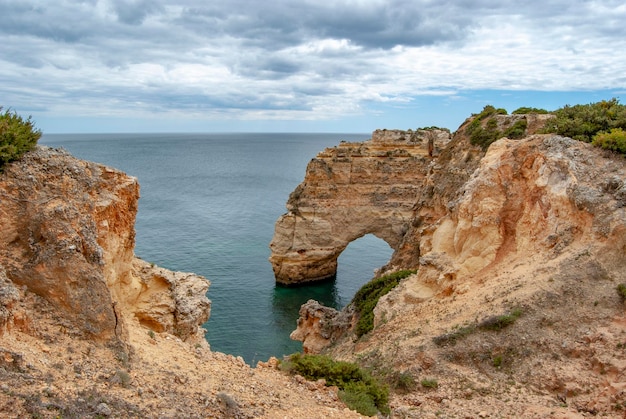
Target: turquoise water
{"points": [[208, 205]]}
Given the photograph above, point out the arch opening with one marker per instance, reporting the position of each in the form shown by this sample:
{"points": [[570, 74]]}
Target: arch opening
{"points": [[357, 264]]}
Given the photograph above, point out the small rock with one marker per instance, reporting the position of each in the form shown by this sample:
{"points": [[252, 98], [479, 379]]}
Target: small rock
{"points": [[103, 409]]}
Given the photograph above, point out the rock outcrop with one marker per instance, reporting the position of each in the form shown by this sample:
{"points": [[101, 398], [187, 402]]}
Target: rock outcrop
{"points": [[349, 191], [320, 326], [88, 330], [534, 226], [67, 234]]}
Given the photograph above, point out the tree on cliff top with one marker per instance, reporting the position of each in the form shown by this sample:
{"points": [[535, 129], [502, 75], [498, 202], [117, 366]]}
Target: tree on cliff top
{"points": [[17, 136]]}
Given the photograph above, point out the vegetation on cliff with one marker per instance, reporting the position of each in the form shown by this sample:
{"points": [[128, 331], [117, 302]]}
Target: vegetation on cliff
{"points": [[485, 134], [367, 297], [601, 123], [358, 389], [494, 323], [17, 136], [584, 122]]}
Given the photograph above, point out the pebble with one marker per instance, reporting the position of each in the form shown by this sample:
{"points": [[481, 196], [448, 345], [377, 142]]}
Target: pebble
{"points": [[103, 409]]}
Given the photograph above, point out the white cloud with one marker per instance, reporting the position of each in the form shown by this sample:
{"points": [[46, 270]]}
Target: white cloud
{"points": [[296, 59]]}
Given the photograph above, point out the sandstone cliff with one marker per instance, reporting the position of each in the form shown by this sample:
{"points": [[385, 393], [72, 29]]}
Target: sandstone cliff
{"points": [[530, 233], [88, 330], [67, 234], [349, 191]]}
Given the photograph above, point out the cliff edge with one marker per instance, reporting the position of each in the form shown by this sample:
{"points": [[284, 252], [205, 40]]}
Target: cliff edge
{"points": [[513, 310], [89, 330]]}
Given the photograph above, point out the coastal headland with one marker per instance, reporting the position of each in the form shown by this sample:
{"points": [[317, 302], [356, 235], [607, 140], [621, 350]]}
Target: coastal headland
{"points": [[512, 255]]}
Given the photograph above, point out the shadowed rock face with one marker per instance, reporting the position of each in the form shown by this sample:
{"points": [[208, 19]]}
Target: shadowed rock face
{"points": [[67, 234], [349, 191]]}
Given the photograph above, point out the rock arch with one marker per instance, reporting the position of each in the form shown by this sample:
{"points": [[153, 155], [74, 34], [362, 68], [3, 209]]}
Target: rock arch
{"points": [[349, 191]]}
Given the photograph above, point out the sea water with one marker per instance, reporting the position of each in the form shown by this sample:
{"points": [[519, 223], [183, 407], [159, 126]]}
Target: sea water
{"points": [[208, 205]]}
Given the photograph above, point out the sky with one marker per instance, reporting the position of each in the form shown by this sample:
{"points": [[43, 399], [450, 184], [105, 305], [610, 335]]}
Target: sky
{"points": [[84, 66]]}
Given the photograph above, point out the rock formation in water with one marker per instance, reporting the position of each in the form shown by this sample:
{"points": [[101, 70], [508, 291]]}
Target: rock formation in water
{"points": [[514, 308], [87, 330], [349, 191]]}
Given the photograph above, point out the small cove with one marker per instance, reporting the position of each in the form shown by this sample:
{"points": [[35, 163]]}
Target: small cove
{"points": [[208, 205]]}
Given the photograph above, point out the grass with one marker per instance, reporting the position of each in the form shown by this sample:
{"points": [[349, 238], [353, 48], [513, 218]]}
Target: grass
{"points": [[367, 297], [452, 337], [500, 322], [497, 361], [495, 323], [358, 389], [429, 383]]}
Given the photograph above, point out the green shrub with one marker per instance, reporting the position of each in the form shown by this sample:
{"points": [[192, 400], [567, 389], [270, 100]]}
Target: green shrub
{"points": [[357, 388], [500, 322], [452, 337], [403, 381], [526, 110], [485, 136], [614, 140], [583, 122], [432, 127], [367, 297], [429, 383], [490, 110], [17, 136], [497, 361], [357, 399], [621, 290], [517, 130], [490, 323]]}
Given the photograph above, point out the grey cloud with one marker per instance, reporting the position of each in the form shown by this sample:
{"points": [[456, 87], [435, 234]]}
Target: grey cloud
{"points": [[374, 25], [133, 12], [166, 54]]}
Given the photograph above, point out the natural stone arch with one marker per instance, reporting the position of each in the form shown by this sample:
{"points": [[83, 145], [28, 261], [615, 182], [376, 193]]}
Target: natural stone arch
{"points": [[350, 191]]}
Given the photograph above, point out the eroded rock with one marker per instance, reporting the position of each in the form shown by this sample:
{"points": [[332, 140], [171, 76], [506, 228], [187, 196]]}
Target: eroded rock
{"points": [[67, 234], [320, 326], [349, 191]]}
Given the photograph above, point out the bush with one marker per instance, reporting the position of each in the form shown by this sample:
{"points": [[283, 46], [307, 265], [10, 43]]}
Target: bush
{"points": [[614, 140], [621, 290], [367, 297], [517, 130], [429, 383], [500, 322], [357, 388], [452, 337], [490, 323], [526, 110], [485, 136], [17, 136], [403, 381], [583, 122]]}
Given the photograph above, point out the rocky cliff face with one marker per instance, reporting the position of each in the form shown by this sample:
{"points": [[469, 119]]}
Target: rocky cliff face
{"points": [[67, 234], [349, 191], [87, 330], [535, 227]]}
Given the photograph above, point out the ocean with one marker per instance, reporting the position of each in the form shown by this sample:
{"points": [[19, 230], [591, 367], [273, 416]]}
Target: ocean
{"points": [[208, 205]]}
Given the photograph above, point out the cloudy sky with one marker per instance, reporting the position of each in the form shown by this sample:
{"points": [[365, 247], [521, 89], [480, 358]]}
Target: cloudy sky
{"points": [[301, 65]]}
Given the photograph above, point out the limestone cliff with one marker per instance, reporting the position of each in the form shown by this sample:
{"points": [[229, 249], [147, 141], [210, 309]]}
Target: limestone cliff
{"points": [[535, 227], [349, 191], [67, 234], [87, 330]]}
